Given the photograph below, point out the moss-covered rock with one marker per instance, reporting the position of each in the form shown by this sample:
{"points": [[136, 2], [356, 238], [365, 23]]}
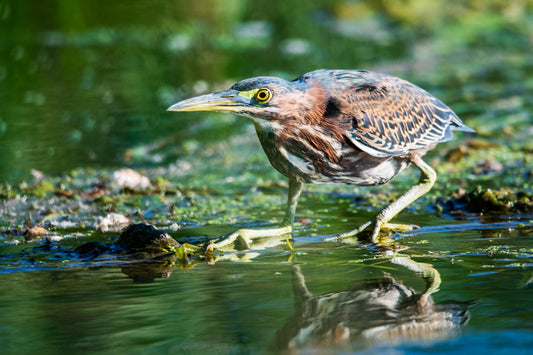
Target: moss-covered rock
{"points": [[486, 200], [145, 238]]}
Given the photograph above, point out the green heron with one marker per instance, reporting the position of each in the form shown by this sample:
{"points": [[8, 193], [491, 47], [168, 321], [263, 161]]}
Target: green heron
{"points": [[339, 126]]}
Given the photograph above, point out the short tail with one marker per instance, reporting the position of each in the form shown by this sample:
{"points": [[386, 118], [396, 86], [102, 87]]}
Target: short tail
{"points": [[455, 125]]}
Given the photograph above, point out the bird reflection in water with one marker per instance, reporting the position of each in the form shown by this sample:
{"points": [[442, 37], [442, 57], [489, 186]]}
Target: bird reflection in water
{"points": [[381, 310]]}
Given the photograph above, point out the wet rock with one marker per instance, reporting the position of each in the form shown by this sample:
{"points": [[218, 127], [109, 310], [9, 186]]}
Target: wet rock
{"points": [[140, 239], [483, 200], [146, 238]]}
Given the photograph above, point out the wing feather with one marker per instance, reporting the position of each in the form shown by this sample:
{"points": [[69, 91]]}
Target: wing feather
{"points": [[388, 115]]}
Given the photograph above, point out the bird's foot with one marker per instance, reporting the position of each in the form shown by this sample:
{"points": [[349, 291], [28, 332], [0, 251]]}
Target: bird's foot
{"points": [[373, 229], [242, 238]]}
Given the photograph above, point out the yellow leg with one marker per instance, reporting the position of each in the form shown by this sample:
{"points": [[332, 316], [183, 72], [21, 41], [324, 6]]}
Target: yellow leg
{"points": [[246, 235], [425, 182]]}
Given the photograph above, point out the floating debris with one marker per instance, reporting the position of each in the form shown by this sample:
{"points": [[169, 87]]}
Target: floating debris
{"points": [[128, 178], [34, 232], [113, 222], [37, 175]]}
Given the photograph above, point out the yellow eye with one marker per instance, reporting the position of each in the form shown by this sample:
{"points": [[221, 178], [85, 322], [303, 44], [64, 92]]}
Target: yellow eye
{"points": [[263, 95]]}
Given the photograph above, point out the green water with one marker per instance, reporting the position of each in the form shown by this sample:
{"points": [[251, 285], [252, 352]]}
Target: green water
{"points": [[238, 307], [84, 86]]}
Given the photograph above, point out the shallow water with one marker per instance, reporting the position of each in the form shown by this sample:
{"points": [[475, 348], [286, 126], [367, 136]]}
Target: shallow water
{"points": [[238, 307], [84, 86]]}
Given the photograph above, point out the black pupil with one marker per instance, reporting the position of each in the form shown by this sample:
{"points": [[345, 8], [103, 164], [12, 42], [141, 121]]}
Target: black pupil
{"points": [[262, 95]]}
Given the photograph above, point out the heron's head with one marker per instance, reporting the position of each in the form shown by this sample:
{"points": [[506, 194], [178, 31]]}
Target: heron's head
{"points": [[261, 99]]}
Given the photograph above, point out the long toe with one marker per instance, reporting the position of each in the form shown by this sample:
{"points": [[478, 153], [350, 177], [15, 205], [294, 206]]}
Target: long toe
{"points": [[398, 227], [352, 233], [373, 231], [242, 239]]}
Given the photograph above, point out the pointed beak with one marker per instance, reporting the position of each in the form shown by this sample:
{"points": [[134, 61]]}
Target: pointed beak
{"points": [[226, 101]]}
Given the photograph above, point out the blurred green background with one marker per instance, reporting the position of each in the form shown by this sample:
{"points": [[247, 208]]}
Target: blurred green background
{"points": [[85, 83]]}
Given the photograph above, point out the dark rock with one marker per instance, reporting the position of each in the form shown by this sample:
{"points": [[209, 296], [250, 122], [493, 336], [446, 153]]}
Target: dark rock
{"points": [[483, 200], [145, 238], [138, 239]]}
